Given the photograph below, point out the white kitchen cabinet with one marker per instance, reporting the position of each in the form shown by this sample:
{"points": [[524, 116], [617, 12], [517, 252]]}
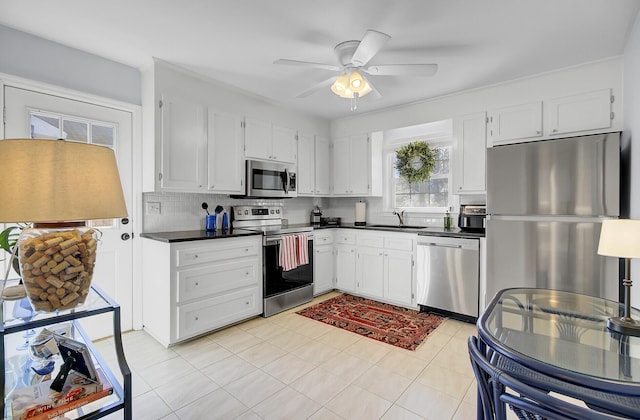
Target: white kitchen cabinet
{"points": [[306, 175], [191, 288], [322, 166], [351, 165], [469, 154], [582, 112], [323, 262], [515, 122], [264, 140], [225, 169], [345, 262], [370, 272], [398, 275], [182, 156]]}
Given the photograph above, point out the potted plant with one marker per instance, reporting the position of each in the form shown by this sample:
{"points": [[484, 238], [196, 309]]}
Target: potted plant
{"points": [[8, 242]]}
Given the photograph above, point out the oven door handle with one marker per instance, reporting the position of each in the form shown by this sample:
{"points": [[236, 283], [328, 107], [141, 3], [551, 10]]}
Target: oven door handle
{"points": [[276, 238]]}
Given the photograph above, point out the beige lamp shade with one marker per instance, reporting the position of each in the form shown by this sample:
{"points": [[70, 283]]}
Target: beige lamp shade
{"points": [[58, 181], [620, 238]]}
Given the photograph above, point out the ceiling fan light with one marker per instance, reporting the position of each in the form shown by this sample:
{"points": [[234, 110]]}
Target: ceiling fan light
{"points": [[341, 85], [356, 81]]}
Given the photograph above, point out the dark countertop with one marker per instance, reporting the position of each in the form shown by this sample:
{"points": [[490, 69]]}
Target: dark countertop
{"points": [[422, 231], [197, 235]]}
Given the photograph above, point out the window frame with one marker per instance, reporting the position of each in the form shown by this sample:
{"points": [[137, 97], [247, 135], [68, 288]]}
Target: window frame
{"points": [[388, 169]]}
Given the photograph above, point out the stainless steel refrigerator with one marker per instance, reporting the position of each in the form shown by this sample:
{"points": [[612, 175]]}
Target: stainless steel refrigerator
{"points": [[545, 204]]}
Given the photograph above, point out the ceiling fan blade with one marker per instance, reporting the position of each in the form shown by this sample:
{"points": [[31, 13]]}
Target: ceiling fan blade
{"points": [[374, 94], [307, 64], [371, 43], [317, 87], [402, 70]]}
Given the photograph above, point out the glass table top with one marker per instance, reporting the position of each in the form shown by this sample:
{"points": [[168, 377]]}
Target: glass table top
{"points": [[563, 330]]}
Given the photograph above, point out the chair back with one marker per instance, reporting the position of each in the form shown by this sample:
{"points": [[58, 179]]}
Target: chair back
{"points": [[497, 388]]}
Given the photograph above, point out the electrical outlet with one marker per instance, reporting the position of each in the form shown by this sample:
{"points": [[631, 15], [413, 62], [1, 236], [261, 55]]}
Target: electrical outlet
{"points": [[153, 207]]}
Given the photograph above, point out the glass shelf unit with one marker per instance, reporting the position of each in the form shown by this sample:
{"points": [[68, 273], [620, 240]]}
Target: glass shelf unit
{"points": [[18, 318]]}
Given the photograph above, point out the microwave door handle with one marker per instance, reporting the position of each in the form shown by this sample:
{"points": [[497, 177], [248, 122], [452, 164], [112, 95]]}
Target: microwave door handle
{"points": [[285, 181]]}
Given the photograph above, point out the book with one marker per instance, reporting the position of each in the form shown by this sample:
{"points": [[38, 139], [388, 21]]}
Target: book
{"points": [[40, 402]]}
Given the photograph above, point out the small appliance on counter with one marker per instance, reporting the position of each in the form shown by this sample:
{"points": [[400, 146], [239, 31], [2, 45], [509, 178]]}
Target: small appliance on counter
{"points": [[361, 213], [472, 218], [316, 216], [330, 221]]}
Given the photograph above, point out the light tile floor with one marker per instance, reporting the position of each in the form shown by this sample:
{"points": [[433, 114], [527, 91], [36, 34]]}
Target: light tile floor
{"points": [[290, 367]]}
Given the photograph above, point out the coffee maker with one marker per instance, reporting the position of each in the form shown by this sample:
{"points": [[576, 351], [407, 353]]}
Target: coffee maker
{"points": [[472, 218]]}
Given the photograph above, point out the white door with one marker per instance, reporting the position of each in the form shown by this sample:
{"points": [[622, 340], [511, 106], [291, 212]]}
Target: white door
{"points": [[31, 114]]}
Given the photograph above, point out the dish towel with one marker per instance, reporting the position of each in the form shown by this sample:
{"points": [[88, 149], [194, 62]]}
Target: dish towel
{"points": [[288, 257], [294, 251]]}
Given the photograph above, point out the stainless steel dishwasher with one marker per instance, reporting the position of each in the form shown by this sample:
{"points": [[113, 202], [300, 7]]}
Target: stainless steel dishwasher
{"points": [[448, 275]]}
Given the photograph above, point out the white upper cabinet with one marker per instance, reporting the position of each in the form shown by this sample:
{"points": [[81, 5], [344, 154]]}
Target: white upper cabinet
{"points": [[351, 165], [582, 112], [267, 141], [322, 165], [224, 150], [515, 122], [306, 165], [469, 154], [183, 145]]}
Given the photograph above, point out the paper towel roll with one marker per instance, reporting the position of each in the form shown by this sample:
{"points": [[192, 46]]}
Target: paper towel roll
{"points": [[361, 213]]}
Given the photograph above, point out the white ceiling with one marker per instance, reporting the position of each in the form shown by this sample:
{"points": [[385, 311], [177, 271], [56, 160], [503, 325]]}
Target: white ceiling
{"points": [[474, 42]]}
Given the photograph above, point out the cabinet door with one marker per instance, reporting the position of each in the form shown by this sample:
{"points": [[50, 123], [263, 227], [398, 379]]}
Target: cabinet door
{"points": [[398, 276], [183, 146], [322, 172], [359, 165], [322, 269], [284, 147], [515, 122], [341, 166], [224, 150], [370, 271], [306, 165], [583, 112], [469, 153], [257, 139], [346, 268]]}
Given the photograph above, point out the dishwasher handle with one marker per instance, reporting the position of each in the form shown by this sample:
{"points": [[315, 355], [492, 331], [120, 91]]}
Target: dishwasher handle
{"points": [[448, 242], [442, 245]]}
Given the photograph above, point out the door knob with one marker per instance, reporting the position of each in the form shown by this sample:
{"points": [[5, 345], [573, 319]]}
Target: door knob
{"points": [[124, 220], [125, 236]]}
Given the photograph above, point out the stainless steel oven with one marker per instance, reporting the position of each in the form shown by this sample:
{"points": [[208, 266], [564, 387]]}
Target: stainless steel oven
{"points": [[282, 289], [270, 180]]}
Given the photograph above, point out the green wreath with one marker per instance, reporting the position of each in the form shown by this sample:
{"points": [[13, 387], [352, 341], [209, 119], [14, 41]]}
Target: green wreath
{"points": [[415, 161]]}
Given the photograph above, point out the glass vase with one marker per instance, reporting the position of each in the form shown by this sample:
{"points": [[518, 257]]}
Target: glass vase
{"points": [[56, 264]]}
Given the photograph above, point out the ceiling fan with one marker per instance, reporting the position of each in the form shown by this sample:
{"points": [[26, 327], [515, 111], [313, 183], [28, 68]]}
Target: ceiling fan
{"points": [[354, 57]]}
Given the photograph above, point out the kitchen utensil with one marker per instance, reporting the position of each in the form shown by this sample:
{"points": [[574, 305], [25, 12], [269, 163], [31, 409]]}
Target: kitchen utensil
{"points": [[205, 206], [219, 209]]}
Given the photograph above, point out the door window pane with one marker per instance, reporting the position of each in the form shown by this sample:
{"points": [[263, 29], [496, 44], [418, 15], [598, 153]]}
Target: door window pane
{"points": [[44, 127], [76, 131], [102, 135]]}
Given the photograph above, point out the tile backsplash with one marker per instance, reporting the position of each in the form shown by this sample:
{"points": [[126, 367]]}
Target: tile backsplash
{"points": [[166, 212]]}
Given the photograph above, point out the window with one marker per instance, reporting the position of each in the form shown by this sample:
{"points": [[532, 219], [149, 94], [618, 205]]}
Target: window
{"points": [[431, 196]]}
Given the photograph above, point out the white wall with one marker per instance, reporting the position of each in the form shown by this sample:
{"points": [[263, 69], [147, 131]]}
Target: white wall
{"points": [[38, 59], [631, 137], [563, 82]]}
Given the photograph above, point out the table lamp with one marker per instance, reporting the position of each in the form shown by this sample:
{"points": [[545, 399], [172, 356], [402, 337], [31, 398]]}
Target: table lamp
{"points": [[621, 238], [57, 185]]}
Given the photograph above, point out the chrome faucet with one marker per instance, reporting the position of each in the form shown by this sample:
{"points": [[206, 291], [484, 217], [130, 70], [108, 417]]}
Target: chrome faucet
{"points": [[400, 215]]}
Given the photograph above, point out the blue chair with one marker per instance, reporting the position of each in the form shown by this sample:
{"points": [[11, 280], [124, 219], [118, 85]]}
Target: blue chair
{"points": [[526, 401]]}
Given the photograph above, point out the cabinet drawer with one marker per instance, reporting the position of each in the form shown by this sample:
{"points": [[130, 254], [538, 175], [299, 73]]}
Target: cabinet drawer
{"points": [[224, 250], [200, 281], [322, 238], [345, 237], [401, 244], [199, 317], [375, 240]]}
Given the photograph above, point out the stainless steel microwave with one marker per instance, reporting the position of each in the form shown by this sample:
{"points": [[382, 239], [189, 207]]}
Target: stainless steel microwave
{"points": [[271, 180]]}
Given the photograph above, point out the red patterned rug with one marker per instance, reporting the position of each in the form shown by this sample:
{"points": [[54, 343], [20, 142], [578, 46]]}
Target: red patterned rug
{"points": [[390, 324]]}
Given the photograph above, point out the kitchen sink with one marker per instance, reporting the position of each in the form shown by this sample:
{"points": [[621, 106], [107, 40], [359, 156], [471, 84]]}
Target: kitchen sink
{"points": [[399, 227]]}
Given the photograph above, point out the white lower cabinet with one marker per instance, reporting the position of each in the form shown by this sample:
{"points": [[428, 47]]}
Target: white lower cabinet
{"points": [[323, 261], [382, 264], [191, 288]]}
